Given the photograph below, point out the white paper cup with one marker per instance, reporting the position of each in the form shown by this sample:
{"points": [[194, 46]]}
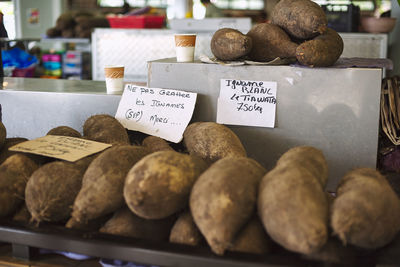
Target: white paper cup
{"points": [[114, 79], [184, 46]]}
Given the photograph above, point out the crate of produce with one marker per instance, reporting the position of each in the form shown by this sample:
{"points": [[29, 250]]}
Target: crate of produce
{"points": [[138, 22]]}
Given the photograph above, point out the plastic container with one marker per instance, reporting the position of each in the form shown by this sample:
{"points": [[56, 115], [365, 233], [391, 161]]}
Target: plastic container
{"points": [[138, 22]]}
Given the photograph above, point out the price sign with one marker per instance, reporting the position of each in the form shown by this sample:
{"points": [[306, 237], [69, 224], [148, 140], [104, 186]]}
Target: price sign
{"points": [[248, 103]]}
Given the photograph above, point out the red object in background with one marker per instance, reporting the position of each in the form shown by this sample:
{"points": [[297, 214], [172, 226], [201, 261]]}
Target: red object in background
{"points": [[138, 22], [26, 72]]}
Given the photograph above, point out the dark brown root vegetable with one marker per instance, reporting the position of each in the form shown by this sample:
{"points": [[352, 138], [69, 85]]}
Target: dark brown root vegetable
{"points": [[65, 21], [185, 231], [14, 174], [51, 190], [293, 206], [322, 51], [230, 44], [91, 225], [159, 184], [252, 238], [224, 198], [3, 134], [366, 211], [270, 42], [103, 182], [9, 142], [64, 131], [302, 19], [154, 144], [22, 215], [53, 32], [125, 223], [105, 128], [310, 158], [212, 141]]}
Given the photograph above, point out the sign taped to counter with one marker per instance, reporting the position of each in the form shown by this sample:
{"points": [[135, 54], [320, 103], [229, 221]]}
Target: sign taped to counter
{"points": [[247, 103], [60, 147], [155, 111]]}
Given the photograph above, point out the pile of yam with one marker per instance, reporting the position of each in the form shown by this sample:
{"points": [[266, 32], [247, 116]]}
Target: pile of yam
{"points": [[211, 194], [298, 31], [77, 24]]}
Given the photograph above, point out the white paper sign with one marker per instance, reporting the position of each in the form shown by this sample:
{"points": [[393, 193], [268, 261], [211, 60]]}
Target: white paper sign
{"points": [[160, 112], [248, 103]]}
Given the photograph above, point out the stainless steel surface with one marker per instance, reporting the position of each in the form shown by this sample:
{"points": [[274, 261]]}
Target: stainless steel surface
{"points": [[31, 107], [335, 110]]}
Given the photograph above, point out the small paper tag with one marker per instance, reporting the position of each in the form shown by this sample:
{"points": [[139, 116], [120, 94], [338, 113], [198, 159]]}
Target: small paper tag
{"points": [[159, 112], [60, 147], [248, 103]]}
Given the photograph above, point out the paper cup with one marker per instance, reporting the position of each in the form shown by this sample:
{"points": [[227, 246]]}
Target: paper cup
{"points": [[184, 46], [114, 79]]}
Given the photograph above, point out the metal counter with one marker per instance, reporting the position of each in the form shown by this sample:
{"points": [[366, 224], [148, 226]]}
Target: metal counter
{"points": [[335, 110], [31, 107]]}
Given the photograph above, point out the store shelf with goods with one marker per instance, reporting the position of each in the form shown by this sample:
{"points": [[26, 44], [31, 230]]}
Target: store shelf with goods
{"points": [[148, 252]]}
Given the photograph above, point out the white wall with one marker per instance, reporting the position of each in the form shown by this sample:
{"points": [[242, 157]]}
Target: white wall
{"points": [[394, 40], [49, 10]]}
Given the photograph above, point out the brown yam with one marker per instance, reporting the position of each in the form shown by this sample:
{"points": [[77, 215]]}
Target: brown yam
{"points": [[212, 141], [125, 223], [9, 142], [14, 173], [293, 207], [366, 211], [159, 184], [64, 131], [53, 32], [322, 51], [3, 134], [270, 42], [223, 199], [103, 182], [301, 19], [51, 190], [87, 22], [230, 44], [105, 128], [309, 157], [252, 238], [22, 215], [185, 231], [154, 144], [65, 21]]}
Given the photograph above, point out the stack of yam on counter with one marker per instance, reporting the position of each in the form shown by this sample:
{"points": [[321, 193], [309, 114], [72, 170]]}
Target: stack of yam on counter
{"points": [[203, 192], [77, 24], [297, 31]]}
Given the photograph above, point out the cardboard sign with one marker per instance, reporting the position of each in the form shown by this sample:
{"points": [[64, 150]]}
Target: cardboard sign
{"points": [[248, 103], [60, 147], [159, 112]]}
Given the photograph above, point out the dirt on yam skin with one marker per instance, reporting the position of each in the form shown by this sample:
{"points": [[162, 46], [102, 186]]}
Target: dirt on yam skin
{"points": [[105, 128], [15, 172], [270, 42], [301, 19], [51, 190], [103, 183], [125, 223], [185, 231], [212, 141], [224, 198], [366, 211], [230, 44], [322, 51], [154, 144], [64, 131], [159, 184]]}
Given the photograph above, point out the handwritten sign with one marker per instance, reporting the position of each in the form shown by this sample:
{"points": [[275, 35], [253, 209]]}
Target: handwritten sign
{"points": [[61, 147], [160, 112], [249, 103]]}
